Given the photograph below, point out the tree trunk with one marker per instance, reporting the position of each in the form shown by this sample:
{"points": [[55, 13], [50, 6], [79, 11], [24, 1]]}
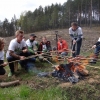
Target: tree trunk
{"points": [[91, 15]]}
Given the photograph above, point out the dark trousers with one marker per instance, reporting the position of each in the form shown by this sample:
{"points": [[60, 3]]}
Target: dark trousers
{"points": [[97, 50], [23, 63], [2, 71], [76, 47]]}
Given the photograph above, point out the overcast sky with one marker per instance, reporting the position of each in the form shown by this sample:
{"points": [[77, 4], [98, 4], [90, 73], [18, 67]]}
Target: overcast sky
{"points": [[10, 7]]}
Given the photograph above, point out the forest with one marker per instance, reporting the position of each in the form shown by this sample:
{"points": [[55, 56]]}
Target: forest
{"points": [[55, 16]]}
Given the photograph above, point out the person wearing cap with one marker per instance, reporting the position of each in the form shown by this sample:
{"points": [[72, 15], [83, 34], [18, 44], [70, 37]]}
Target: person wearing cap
{"points": [[32, 44], [17, 50], [96, 46], [76, 35], [62, 46]]}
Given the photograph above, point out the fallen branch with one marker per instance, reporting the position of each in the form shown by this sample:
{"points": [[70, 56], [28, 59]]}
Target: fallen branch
{"points": [[98, 67], [7, 84]]}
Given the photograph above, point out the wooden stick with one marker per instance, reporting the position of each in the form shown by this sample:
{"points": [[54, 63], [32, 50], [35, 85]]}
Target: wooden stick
{"points": [[24, 59], [97, 67], [7, 84]]}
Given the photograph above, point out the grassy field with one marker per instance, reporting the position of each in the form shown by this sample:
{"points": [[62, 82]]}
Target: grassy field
{"points": [[33, 87]]}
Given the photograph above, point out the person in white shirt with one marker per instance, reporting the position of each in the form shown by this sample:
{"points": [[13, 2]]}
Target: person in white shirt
{"points": [[17, 50], [76, 35], [32, 44]]}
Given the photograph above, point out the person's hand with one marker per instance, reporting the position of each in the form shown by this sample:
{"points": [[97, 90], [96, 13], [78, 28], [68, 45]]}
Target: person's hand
{"points": [[25, 50], [65, 49], [22, 57], [35, 53], [74, 41], [5, 63], [94, 46]]}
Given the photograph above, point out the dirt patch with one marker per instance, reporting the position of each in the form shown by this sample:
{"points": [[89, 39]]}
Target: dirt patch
{"points": [[67, 84], [92, 80]]}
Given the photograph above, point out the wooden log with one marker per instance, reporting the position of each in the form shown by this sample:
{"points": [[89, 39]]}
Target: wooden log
{"points": [[16, 66], [7, 84]]}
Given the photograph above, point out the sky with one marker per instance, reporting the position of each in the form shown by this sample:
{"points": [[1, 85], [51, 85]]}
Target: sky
{"points": [[10, 7]]}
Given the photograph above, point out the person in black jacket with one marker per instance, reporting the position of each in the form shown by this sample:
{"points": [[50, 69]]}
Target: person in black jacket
{"points": [[44, 48], [96, 46]]}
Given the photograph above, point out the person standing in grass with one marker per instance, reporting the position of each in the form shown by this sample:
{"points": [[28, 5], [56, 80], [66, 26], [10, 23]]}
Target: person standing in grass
{"points": [[17, 50], [2, 63], [76, 35]]}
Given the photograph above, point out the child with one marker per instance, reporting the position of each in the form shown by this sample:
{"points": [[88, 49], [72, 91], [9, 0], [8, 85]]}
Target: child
{"points": [[2, 63]]}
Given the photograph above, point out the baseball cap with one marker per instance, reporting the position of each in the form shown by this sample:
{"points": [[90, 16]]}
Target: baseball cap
{"points": [[33, 35]]}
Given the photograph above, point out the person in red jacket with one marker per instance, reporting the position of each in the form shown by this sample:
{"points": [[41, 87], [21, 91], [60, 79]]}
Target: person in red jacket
{"points": [[62, 47]]}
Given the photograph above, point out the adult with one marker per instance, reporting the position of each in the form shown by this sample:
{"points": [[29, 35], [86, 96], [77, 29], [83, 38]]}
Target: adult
{"points": [[32, 44], [17, 50], [76, 35], [45, 48], [96, 46], [62, 46], [45, 45]]}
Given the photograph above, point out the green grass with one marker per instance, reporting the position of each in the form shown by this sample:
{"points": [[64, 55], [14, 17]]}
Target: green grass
{"points": [[33, 87]]}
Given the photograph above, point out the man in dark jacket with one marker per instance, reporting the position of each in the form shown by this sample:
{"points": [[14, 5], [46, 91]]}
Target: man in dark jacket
{"points": [[96, 46]]}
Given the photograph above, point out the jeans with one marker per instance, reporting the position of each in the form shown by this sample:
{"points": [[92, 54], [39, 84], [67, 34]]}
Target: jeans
{"points": [[64, 54], [97, 50], [2, 71], [76, 47], [23, 63], [31, 59]]}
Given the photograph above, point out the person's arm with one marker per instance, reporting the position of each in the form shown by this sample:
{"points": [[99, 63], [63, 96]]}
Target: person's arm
{"points": [[40, 48], [65, 46], [2, 63], [30, 49], [12, 49], [80, 34], [71, 34], [37, 44], [59, 48], [11, 53], [97, 43], [49, 46]]}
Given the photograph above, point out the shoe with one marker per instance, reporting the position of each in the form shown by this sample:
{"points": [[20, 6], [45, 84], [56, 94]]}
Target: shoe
{"points": [[10, 74], [93, 61]]}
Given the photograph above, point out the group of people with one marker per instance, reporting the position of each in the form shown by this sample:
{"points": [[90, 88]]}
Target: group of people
{"points": [[19, 49]]}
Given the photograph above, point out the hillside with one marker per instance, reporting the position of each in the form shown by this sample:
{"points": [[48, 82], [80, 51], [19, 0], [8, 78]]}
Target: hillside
{"points": [[33, 87], [90, 36]]}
